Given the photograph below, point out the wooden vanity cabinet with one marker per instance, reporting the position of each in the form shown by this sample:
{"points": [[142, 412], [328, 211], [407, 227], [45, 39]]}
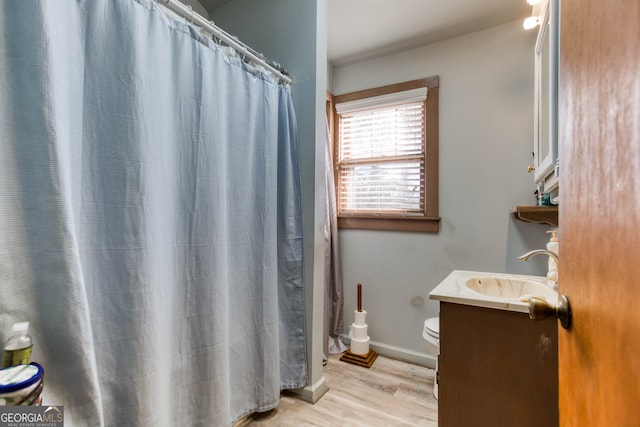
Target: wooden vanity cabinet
{"points": [[496, 368]]}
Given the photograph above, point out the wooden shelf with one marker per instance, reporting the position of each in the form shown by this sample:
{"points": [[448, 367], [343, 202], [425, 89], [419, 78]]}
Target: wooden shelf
{"points": [[537, 214]]}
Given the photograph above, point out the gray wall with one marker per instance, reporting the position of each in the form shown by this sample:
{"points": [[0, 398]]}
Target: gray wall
{"points": [[486, 132], [293, 33], [197, 7]]}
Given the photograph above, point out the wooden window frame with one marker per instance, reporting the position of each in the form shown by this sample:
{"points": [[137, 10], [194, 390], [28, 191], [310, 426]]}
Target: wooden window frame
{"points": [[430, 222]]}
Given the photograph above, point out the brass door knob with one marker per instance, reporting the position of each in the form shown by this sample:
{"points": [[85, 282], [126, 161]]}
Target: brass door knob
{"points": [[540, 309], [531, 169]]}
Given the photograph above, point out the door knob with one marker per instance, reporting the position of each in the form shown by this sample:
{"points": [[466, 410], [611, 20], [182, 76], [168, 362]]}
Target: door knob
{"points": [[540, 309]]}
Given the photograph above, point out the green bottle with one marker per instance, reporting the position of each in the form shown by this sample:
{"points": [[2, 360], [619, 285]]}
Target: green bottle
{"points": [[17, 350]]}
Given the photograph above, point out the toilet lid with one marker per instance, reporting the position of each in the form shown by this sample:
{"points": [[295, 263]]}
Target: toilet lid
{"points": [[432, 326]]}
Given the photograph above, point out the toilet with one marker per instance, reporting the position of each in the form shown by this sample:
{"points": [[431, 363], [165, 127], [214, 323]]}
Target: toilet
{"points": [[431, 334]]}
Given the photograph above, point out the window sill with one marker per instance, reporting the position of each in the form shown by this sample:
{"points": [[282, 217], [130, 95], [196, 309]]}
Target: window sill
{"points": [[426, 225]]}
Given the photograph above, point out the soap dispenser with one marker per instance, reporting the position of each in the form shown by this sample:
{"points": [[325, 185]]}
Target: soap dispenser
{"points": [[553, 246]]}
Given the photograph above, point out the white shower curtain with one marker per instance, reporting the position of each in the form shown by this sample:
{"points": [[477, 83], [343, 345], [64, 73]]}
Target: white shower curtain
{"points": [[150, 224]]}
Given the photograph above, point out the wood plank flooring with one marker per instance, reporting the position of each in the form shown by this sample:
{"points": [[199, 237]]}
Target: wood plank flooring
{"points": [[390, 393]]}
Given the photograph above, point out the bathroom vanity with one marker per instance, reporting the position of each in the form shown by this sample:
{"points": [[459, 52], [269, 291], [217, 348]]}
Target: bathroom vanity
{"points": [[496, 366]]}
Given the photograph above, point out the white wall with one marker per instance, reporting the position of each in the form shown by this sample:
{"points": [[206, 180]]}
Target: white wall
{"points": [[486, 131], [293, 33]]}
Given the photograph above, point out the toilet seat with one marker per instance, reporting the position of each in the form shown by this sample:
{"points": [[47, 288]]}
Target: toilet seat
{"points": [[432, 327]]}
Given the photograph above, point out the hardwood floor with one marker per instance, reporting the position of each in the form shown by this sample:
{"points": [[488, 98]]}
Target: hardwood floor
{"points": [[390, 393]]}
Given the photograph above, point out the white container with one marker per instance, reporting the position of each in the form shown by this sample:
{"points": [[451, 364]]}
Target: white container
{"points": [[553, 246], [17, 350], [21, 385]]}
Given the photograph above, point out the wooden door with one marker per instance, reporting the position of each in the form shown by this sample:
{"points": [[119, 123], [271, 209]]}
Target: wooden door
{"points": [[599, 270]]}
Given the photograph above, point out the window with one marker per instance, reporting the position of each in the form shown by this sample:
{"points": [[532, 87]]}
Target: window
{"points": [[386, 157]]}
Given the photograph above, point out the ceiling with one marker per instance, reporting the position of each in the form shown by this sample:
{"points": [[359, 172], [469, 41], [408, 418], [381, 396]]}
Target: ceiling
{"points": [[360, 29]]}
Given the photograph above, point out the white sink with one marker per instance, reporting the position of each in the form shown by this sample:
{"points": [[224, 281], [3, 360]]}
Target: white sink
{"points": [[510, 288], [493, 290]]}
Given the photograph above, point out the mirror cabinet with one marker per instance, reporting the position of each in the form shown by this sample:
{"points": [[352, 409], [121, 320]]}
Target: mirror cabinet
{"points": [[545, 147]]}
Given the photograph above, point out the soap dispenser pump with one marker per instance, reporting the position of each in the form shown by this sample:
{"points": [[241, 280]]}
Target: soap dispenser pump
{"points": [[553, 246]]}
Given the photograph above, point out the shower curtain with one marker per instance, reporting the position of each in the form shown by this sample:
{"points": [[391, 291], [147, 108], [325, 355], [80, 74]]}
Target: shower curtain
{"points": [[150, 219], [333, 289]]}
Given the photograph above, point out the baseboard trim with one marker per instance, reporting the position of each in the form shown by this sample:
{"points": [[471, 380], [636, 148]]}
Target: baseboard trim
{"points": [[399, 353], [311, 393]]}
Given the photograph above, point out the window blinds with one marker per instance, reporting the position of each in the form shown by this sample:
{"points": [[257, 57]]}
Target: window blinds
{"points": [[381, 156]]}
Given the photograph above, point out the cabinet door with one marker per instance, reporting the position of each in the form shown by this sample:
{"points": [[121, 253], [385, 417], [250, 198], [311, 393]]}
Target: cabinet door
{"points": [[496, 368], [545, 135]]}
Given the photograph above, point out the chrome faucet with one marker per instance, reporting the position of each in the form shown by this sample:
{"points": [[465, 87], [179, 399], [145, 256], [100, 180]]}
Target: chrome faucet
{"points": [[528, 255]]}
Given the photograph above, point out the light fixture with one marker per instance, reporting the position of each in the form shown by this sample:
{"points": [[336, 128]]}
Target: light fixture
{"points": [[531, 22], [534, 20]]}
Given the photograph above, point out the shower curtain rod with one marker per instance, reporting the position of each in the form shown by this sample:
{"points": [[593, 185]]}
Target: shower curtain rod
{"points": [[186, 12]]}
